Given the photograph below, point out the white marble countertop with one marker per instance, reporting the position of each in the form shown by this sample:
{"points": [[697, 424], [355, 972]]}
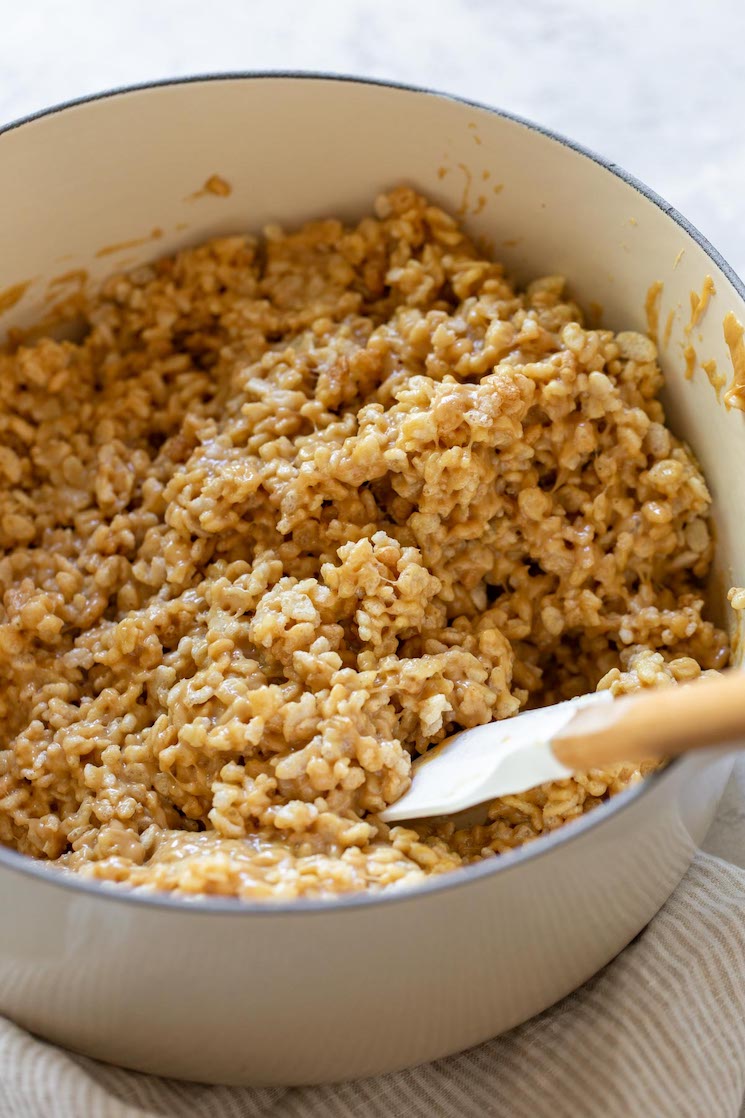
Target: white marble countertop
{"points": [[657, 86]]}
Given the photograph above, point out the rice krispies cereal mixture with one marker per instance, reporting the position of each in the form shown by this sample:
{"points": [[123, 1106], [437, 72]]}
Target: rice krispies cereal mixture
{"points": [[296, 508]]}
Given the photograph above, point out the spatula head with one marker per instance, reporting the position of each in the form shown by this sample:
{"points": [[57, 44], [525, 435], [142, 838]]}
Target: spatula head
{"points": [[499, 759]]}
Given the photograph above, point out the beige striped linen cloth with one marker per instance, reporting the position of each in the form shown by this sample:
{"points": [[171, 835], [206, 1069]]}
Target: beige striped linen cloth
{"points": [[661, 1031]]}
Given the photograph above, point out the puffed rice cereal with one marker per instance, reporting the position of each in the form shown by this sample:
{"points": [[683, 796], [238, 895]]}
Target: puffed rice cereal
{"points": [[292, 510]]}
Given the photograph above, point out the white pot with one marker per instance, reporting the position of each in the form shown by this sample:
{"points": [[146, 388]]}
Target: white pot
{"points": [[239, 993]]}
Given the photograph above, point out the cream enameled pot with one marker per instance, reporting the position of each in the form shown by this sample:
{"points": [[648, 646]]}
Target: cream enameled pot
{"points": [[237, 993]]}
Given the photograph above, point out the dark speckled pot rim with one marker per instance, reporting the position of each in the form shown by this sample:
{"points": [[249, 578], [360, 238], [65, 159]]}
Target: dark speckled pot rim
{"points": [[456, 879]]}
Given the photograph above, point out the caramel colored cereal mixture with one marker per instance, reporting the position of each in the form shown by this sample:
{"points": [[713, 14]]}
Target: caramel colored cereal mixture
{"points": [[296, 508]]}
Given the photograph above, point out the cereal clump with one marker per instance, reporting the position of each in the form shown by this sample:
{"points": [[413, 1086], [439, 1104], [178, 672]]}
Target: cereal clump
{"points": [[294, 509]]}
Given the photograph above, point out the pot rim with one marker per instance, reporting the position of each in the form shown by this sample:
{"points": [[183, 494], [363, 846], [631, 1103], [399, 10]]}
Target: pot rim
{"points": [[456, 879]]}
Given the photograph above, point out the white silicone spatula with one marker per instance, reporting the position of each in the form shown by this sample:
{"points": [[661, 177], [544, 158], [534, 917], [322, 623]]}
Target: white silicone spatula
{"points": [[508, 757]]}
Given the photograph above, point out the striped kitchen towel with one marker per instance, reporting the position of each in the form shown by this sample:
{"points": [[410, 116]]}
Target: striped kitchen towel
{"points": [[661, 1031]]}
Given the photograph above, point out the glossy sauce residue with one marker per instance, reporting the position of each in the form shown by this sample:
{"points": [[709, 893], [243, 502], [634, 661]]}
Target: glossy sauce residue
{"points": [[689, 353], [467, 204], [136, 242], [76, 275], [215, 185], [699, 303], [668, 328], [12, 295], [734, 397], [717, 380], [652, 307], [61, 287]]}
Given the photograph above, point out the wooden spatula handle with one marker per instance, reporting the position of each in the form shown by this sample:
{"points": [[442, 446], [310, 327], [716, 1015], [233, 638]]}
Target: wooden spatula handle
{"points": [[656, 723]]}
